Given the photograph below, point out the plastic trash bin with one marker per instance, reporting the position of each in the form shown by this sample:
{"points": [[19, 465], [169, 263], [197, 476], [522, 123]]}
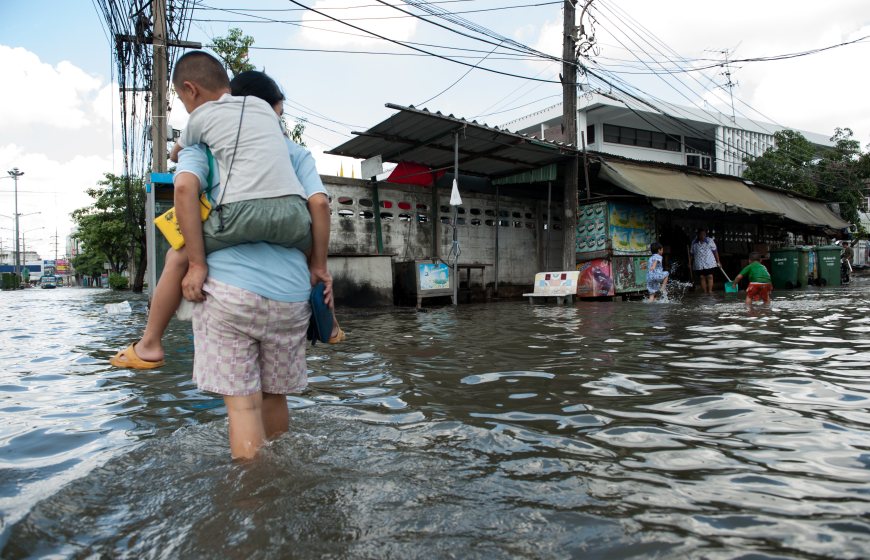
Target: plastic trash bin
{"points": [[803, 273], [784, 268], [828, 265]]}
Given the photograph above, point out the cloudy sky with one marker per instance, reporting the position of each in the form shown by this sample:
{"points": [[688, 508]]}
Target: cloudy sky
{"points": [[59, 111]]}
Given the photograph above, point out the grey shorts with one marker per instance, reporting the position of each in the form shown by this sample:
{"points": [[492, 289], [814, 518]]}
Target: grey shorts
{"points": [[245, 343], [283, 220]]}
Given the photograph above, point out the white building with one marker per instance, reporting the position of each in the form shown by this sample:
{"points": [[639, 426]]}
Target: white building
{"points": [[690, 136]]}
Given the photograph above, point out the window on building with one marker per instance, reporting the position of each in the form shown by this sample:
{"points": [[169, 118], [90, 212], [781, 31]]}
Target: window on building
{"points": [[699, 146], [590, 134], [641, 138], [699, 161]]}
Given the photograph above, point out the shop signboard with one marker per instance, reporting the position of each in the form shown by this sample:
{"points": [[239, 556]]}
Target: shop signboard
{"points": [[595, 279], [433, 276], [592, 228], [629, 273], [632, 228]]}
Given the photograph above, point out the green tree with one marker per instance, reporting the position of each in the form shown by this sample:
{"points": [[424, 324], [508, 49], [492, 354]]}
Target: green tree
{"points": [[842, 172], [788, 165], [88, 263], [296, 132], [233, 51], [112, 229]]}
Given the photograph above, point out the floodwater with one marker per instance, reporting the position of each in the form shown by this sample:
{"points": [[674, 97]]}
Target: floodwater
{"points": [[603, 430]]}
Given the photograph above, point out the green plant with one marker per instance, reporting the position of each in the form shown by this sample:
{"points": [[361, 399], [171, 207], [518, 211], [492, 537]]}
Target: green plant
{"points": [[118, 281]]}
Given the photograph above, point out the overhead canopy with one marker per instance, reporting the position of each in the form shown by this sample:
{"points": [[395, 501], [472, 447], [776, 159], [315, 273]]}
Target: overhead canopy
{"points": [[539, 175], [418, 136], [803, 210], [672, 189]]}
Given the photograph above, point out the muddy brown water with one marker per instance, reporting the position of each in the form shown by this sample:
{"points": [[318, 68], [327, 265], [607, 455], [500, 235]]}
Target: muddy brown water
{"points": [[628, 430]]}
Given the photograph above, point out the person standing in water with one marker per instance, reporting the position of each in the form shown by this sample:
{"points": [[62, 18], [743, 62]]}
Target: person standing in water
{"points": [[705, 259]]}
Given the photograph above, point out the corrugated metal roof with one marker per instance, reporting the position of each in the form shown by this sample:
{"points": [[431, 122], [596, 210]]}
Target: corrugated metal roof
{"points": [[419, 136]]}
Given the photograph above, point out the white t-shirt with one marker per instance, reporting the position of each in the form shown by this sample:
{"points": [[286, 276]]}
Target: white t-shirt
{"points": [[262, 166]]}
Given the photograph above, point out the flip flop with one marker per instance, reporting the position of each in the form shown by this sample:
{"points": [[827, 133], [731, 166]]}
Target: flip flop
{"points": [[127, 358], [320, 326], [339, 337]]}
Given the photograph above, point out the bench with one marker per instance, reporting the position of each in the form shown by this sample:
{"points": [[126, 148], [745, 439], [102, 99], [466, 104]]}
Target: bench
{"points": [[559, 285]]}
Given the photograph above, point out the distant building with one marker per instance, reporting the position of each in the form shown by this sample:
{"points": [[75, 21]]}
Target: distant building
{"points": [[73, 245], [690, 136]]}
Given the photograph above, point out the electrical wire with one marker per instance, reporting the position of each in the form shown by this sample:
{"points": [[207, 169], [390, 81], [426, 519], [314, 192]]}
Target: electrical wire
{"points": [[467, 72], [370, 18], [436, 55]]}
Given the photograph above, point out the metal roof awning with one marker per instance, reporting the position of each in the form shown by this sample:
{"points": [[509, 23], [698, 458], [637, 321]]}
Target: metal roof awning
{"points": [[671, 189], [418, 136], [540, 175], [801, 210]]}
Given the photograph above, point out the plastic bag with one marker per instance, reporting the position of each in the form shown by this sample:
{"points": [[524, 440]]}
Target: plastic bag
{"points": [[118, 308]]}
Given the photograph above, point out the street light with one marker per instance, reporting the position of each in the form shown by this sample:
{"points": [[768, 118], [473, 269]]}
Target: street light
{"points": [[17, 235], [15, 174], [23, 246]]}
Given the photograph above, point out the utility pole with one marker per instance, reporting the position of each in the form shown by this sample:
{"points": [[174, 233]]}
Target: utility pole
{"points": [[55, 237], [159, 85], [15, 174], [569, 127], [729, 84]]}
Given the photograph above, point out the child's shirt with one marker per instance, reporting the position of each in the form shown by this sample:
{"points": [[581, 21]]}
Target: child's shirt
{"points": [[286, 278], [654, 266], [756, 272], [262, 167]]}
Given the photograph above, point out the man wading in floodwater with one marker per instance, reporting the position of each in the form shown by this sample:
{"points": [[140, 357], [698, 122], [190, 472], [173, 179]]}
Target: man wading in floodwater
{"points": [[705, 259]]}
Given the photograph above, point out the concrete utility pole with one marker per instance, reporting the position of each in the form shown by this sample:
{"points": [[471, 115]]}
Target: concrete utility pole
{"points": [[15, 174], [569, 127], [159, 84]]}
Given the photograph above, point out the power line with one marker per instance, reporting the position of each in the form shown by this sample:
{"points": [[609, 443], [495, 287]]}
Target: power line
{"points": [[507, 56], [373, 34], [518, 106], [370, 18], [205, 7], [467, 72]]}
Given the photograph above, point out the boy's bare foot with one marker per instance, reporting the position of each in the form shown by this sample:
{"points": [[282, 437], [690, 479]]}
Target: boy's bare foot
{"points": [[150, 352], [337, 335]]}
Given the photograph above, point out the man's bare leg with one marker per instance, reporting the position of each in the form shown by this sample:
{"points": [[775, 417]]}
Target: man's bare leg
{"points": [[164, 303], [276, 416], [246, 425]]}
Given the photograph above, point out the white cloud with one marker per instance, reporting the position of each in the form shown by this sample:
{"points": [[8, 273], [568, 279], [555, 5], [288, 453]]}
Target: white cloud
{"points": [[39, 93], [383, 20], [816, 92], [47, 192]]}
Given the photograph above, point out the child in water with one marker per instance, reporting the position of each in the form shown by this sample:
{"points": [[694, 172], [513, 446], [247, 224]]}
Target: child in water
{"points": [[656, 275], [759, 280]]}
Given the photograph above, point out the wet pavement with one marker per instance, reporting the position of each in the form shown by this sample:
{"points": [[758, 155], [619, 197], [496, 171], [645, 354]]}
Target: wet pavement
{"points": [[604, 430]]}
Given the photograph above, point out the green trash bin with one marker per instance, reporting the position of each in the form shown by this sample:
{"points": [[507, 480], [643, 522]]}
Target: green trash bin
{"points": [[784, 268], [803, 274], [828, 265]]}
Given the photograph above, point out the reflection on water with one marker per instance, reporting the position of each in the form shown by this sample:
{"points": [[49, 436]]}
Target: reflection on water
{"points": [[699, 429]]}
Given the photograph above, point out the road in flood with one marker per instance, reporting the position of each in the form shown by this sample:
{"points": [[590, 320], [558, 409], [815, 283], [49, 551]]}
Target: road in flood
{"points": [[625, 430]]}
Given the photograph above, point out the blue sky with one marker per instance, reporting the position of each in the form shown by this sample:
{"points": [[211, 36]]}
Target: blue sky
{"points": [[59, 111]]}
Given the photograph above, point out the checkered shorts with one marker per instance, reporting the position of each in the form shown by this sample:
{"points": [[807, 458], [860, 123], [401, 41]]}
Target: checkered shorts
{"points": [[245, 343]]}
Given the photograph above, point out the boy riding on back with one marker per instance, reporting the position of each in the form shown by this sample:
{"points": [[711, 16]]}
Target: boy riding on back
{"points": [[259, 197]]}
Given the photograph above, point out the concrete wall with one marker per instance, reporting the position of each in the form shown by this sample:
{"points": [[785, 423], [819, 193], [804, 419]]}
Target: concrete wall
{"points": [[408, 219], [362, 281]]}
